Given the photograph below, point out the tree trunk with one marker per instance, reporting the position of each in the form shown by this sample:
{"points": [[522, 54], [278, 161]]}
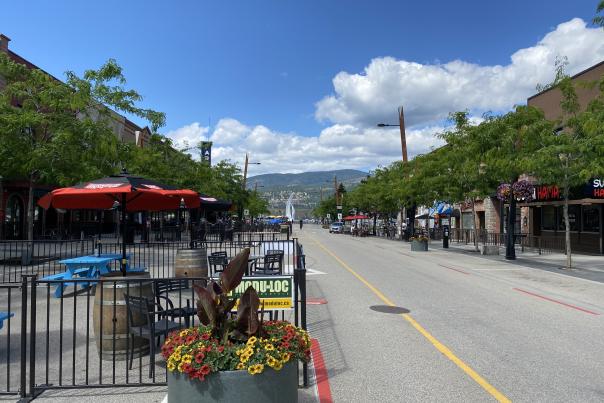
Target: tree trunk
{"points": [[567, 229], [510, 251], [474, 225], [30, 211]]}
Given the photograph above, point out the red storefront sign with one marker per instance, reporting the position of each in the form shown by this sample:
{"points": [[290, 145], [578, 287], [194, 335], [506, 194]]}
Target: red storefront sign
{"points": [[547, 192]]}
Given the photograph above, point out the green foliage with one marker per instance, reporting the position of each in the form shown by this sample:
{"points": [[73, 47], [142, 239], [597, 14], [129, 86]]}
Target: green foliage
{"points": [[599, 19]]}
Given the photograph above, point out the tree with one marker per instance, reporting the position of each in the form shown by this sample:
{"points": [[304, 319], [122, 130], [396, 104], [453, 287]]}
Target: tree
{"points": [[464, 155], [54, 132], [571, 156], [515, 138], [599, 19]]}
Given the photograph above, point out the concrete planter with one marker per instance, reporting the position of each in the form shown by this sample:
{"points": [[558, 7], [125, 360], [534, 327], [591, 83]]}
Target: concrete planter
{"points": [[419, 246], [236, 386]]}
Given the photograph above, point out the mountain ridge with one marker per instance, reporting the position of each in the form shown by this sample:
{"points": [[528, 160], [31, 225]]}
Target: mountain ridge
{"points": [[306, 179]]}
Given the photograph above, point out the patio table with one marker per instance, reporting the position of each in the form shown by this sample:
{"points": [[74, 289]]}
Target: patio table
{"points": [[4, 316], [85, 267]]}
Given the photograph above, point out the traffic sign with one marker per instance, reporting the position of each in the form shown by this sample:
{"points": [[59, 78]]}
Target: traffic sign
{"points": [[339, 216], [246, 212]]}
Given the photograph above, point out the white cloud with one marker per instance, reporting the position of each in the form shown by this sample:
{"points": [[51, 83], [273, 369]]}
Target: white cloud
{"points": [[188, 136], [430, 91], [336, 147]]}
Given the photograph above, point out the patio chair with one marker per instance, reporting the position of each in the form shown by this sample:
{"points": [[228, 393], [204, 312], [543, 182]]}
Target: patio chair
{"points": [[217, 263], [272, 264], [150, 330], [162, 290]]}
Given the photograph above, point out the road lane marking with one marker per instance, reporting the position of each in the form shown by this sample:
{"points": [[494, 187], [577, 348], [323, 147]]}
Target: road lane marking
{"points": [[454, 269], [578, 308], [437, 344]]}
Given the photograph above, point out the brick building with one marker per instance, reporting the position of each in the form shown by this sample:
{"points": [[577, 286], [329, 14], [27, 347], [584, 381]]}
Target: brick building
{"points": [[544, 216], [14, 194]]}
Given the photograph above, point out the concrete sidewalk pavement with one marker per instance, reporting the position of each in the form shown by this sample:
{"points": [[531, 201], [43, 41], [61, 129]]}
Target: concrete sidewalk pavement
{"points": [[587, 267]]}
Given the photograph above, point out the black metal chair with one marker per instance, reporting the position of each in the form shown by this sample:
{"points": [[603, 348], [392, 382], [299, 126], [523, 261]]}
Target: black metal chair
{"points": [[151, 329], [162, 290], [217, 263], [272, 264]]}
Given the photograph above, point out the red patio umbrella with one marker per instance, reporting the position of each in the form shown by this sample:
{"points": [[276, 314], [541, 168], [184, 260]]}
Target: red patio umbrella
{"points": [[133, 193]]}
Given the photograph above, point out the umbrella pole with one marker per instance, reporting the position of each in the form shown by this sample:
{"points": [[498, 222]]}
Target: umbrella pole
{"points": [[123, 263]]}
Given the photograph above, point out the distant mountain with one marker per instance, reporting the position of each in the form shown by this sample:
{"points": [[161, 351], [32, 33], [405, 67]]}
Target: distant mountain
{"points": [[308, 188], [306, 179]]}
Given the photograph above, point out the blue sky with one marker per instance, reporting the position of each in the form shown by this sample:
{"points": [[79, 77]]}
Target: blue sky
{"points": [[266, 64]]}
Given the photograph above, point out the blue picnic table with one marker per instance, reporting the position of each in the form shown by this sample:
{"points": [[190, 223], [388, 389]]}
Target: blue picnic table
{"points": [[86, 267], [4, 316]]}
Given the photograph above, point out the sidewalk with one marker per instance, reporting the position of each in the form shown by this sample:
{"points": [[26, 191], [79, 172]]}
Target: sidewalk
{"points": [[588, 267]]}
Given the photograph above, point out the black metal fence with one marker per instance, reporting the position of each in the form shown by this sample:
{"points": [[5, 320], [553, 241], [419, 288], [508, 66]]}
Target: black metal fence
{"points": [[83, 339], [538, 244], [43, 257]]}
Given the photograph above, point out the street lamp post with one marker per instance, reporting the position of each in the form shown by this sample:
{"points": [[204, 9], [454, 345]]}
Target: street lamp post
{"points": [[247, 162], [401, 126]]}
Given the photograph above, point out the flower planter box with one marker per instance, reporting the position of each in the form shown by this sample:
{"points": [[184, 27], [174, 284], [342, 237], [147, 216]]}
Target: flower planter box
{"points": [[236, 386], [419, 246]]}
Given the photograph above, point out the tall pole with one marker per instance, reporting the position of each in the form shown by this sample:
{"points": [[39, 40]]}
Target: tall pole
{"points": [[401, 125], [245, 171]]}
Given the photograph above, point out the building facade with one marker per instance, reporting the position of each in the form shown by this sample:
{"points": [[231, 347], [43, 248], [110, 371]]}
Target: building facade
{"points": [[544, 215], [14, 191]]}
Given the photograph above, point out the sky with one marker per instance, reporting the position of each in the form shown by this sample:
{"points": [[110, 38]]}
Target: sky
{"points": [[301, 85]]}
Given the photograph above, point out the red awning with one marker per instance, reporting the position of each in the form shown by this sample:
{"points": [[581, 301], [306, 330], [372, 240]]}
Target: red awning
{"points": [[355, 217]]}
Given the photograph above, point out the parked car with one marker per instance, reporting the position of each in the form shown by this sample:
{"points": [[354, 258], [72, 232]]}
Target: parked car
{"points": [[336, 227]]}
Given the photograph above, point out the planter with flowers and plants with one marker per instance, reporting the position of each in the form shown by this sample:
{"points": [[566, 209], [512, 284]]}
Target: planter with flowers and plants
{"points": [[419, 243], [234, 357]]}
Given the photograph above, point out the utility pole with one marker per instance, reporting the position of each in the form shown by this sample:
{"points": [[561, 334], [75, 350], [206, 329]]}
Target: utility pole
{"points": [[245, 171], [401, 125]]}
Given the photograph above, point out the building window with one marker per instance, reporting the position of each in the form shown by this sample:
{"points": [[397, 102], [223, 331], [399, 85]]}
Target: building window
{"points": [[574, 215], [548, 218], [591, 218], [467, 221]]}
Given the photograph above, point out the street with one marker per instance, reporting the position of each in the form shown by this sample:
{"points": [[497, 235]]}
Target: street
{"points": [[446, 326]]}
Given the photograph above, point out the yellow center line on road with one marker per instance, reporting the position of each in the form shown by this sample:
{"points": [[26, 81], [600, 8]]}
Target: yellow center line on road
{"points": [[437, 344]]}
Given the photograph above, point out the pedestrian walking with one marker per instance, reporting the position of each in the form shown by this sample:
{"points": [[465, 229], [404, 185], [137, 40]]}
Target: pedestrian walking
{"points": [[301, 223]]}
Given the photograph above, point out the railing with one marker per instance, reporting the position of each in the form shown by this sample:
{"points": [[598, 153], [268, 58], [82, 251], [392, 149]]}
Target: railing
{"points": [[22, 257], [42, 257], [12, 361], [538, 244], [80, 340]]}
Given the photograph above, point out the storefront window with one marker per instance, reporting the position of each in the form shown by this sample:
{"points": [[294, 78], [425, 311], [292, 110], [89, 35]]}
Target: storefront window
{"points": [[548, 218], [467, 223], [574, 215], [591, 218]]}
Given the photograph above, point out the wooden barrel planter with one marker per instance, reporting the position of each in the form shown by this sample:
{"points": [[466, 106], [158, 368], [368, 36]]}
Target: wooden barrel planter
{"points": [[191, 263], [110, 315]]}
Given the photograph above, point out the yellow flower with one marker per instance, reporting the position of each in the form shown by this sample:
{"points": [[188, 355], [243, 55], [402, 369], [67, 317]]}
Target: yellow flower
{"points": [[239, 351], [251, 341], [171, 366], [187, 358], [269, 347], [278, 365], [180, 367], [240, 366], [183, 333], [285, 357]]}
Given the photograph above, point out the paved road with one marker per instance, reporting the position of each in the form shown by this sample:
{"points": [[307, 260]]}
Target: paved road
{"points": [[476, 329]]}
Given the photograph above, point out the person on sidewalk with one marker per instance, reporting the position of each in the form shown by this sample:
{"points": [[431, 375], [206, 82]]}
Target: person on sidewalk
{"points": [[301, 223]]}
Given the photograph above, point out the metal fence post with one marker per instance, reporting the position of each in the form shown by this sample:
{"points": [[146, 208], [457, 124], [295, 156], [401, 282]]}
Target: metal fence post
{"points": [[23, 378], [32, 336]]}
